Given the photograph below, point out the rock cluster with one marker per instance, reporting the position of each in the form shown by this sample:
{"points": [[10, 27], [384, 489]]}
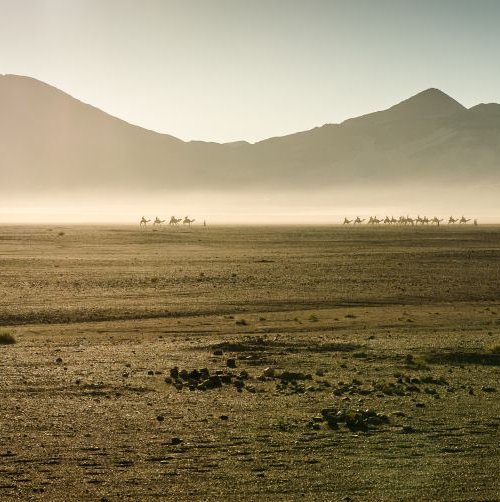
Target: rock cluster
{"points": [[354, 419], [401, 386], [202, 379]]}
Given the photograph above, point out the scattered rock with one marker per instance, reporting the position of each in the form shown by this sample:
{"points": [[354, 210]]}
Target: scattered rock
{"points": [[488, 389], [194, 375], [408, 429], [291, 376], [200, 379], [268, 372], [239, 384], [226, 378], [398, 413], [354, 419]]}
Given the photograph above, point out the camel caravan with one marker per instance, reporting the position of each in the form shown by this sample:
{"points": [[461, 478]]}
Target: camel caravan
{"points": [[174, 222], [408, 221]]}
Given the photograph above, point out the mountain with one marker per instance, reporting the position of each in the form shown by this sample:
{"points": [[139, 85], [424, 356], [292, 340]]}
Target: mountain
{"points": [[50, 140]]}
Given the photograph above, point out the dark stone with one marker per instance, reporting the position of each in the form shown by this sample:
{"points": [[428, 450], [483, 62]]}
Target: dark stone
{"points": [[226, 378], [194, 375], [291, 376], [213, 382]]}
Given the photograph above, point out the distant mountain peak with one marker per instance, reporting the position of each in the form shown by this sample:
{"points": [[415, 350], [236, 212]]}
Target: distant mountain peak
{"points": [[431, 102]]}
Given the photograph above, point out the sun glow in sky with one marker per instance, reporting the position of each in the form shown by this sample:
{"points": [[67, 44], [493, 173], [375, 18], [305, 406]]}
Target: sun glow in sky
{"points": [[225, 70]]}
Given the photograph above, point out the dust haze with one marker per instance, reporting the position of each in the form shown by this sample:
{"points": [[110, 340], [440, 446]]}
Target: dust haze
{"points": [[252, 207], [66, 161]]}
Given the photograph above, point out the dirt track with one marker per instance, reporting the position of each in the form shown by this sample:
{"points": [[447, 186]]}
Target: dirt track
{"points": [[400, 322]]}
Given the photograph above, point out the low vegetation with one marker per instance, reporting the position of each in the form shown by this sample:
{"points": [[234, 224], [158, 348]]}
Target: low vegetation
{"points": [[7, 338]]}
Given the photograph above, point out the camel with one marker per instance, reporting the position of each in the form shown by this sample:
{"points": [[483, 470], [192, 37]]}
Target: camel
{"points": [[423, 221], [358, 220], [174, 221], [144, 222], [347, 222], [374, 220], [387, 220], [463, 220], [187, 221], [436, 220], [452, 220], [158, 221]]}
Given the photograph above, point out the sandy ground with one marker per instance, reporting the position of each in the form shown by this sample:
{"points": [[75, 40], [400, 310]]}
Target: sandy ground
{"points": [[337, 363]]}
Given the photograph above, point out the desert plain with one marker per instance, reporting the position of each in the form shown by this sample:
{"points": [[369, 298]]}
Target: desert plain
{"points": [[250, 363]]}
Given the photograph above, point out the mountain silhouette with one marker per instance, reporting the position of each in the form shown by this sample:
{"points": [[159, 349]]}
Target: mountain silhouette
{"points": [[49, 140]]}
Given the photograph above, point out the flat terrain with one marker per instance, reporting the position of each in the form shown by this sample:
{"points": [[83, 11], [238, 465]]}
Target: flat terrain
{"points": [[336, 363]]}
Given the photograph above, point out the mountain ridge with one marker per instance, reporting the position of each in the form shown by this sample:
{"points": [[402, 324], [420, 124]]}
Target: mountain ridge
{"points": [[54, 140]]}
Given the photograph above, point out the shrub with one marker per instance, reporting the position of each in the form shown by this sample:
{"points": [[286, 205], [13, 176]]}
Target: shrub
{"points": [[7, 338]]}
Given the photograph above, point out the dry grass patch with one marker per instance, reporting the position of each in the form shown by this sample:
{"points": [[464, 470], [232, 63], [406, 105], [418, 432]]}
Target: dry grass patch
{"points": [[7, 338]]}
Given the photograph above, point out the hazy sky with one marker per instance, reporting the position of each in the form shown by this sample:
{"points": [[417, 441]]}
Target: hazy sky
{"points": [[224, 70]]}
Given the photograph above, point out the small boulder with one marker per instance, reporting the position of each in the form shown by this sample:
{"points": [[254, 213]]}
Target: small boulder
{"points": [[268, 372]]}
